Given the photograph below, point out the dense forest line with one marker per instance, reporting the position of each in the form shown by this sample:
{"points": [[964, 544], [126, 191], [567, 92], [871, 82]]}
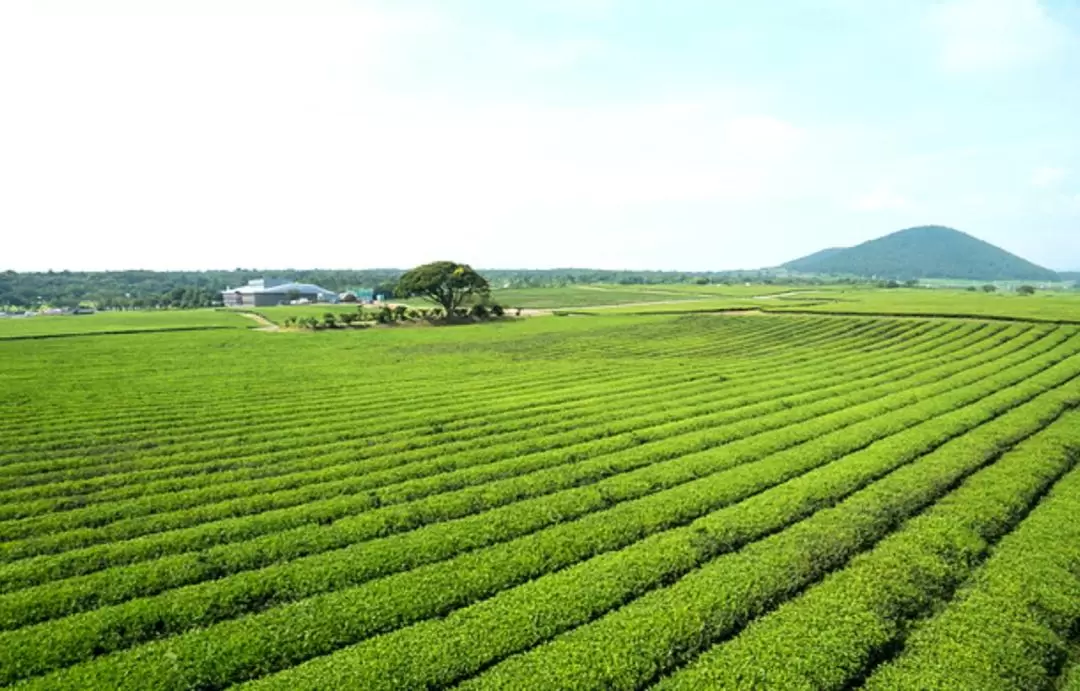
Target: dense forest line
{"points": [[143, 289]]}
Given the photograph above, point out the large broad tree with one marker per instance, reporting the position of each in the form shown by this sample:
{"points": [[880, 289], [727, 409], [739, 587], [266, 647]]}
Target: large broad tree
{"points": [[447, 284]]}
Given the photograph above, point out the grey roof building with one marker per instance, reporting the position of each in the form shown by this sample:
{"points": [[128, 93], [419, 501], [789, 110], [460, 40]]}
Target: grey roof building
{"points": [[265, 292]]}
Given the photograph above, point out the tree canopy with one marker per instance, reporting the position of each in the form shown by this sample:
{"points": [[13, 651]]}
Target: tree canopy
{"points": [[445, 283]]}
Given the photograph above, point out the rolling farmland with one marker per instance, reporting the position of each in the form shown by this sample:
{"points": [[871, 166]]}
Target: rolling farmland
{"points": [[610, 502], [120, 322]]}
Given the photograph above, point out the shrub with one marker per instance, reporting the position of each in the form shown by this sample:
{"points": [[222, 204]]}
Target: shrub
{"points": [[1026, 290]]}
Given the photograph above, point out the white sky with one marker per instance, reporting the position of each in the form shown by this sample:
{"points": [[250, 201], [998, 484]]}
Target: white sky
{"points": [[222, 133]]}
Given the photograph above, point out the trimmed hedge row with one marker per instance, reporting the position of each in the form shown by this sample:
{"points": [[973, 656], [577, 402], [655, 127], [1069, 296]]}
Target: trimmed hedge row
{"points": [[656, 633], [1010, 627], [473, 465], [144, 420], [528, 434], [830, 636], [629, 647], [253, 645], [42, 569], [289, 459], [118, 584]]}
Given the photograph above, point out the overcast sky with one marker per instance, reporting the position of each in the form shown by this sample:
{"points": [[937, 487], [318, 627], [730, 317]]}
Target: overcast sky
{"points": [[666, 134]]}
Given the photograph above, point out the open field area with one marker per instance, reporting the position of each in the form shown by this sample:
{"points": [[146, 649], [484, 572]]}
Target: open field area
{"points": [[608, 502], [592, 295], [1061, 306], [1048, 306], [119, 322]]}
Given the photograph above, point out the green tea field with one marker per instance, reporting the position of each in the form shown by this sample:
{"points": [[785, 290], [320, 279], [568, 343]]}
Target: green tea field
{"points": [[120, 322], [673, 501]]}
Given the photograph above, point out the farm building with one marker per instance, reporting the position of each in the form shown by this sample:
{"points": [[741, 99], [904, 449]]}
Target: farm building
{"points": [[265, 292]]}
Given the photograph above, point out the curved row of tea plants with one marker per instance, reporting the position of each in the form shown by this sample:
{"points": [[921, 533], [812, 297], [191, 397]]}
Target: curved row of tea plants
{"points": [[603, 502]]}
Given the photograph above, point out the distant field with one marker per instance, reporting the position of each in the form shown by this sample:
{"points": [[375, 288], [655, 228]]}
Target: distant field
{"points": [[108, 322], [580, 296], [683, 306], [1044, 306], [598, 295], [568, 297], [621, 502], [748, 291], [1047, 306]]}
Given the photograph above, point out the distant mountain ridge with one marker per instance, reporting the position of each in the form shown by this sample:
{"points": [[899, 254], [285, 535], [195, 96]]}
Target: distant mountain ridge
{"points": [[924, 252]]}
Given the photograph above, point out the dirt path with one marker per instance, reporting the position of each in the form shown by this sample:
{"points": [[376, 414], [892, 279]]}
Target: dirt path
{"points": [[265, 324]]}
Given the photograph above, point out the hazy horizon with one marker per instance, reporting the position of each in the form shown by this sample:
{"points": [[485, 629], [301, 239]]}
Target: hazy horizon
{"points": [[607, 134]]}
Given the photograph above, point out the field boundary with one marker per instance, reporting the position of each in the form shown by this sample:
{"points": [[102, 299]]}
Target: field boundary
{"points": [[767, 310], [984, 317], [117, 332]]}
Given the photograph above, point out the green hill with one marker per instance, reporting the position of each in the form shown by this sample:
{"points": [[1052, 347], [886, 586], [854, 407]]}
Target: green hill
{"points": [[820, 255], [924, 252]]}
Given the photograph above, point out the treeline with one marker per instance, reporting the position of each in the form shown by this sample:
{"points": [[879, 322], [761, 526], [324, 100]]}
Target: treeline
{"points": [[147, 289], [184, 289]]}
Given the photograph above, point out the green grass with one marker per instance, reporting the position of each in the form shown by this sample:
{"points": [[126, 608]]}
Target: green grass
{"points": [[580, 296], [1045, 306], [607, 295], [118, 322], [614, 299], [619, 501], [685, 306]]}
